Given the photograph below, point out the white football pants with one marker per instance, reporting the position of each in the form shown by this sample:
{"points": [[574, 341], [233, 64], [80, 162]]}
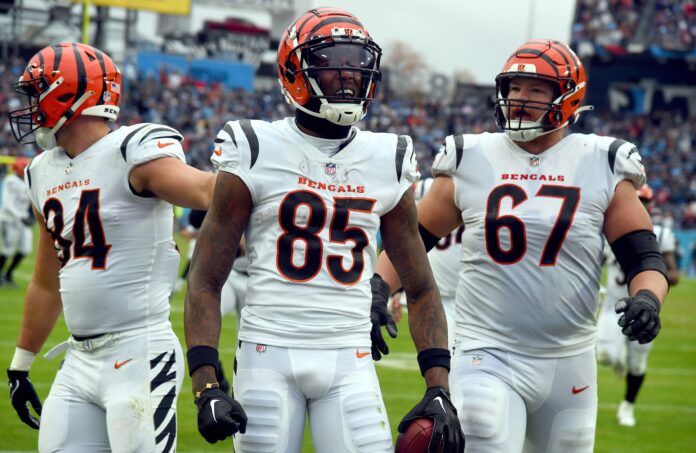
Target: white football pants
{"points": [[118, 397], [337, 388], [507, 401]]}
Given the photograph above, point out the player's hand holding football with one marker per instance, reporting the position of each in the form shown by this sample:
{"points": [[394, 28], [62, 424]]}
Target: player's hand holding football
{"points": [[22, 394], [447, 432], [219, 415], [380, 316], [641, 316]]}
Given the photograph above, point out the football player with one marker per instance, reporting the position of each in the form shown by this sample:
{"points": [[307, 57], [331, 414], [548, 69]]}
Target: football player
{"points": [[311, 193], [613, 348], [444, 261], [537, 203], [106, 258], [15, 221]]}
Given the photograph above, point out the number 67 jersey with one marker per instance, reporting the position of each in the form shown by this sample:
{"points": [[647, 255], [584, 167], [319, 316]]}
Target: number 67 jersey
{"points": [[312, 232], [533, 238], [118, 257]]}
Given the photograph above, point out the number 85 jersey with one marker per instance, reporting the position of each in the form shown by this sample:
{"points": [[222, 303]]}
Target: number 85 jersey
{"points": [[312, 232], [533, 238]]}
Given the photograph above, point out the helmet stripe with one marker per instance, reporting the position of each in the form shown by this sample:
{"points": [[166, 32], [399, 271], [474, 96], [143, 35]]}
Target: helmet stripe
{"points": [[541, 55], [41, 63], [58, 54], [334, 20], [572, 55], [100, 58], [81, 73], [565, 59]]}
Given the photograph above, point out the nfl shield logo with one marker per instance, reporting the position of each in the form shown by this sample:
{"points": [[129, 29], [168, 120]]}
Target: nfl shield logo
{"points": [[330, 168], [260, 348], [476, 360], [534, 161]]}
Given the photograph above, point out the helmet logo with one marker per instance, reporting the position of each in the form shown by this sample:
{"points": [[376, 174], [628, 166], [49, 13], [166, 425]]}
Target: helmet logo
{"points": [[520, 67]]}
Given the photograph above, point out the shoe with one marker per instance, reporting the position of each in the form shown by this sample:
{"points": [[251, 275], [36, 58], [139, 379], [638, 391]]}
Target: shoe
{"points": [[7, 282], [625, 414]]}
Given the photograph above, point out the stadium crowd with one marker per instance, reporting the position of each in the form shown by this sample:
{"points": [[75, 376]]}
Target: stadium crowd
{"points": [[612, 24], [199, 111]]}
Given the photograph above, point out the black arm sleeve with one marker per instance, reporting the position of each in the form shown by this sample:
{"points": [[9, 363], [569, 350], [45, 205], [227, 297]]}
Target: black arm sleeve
{"points": [[638, 251], [196, 218], [429, 239]]}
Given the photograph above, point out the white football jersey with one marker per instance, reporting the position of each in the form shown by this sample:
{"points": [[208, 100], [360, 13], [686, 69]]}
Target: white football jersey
{"points": [[15, 200], [444, 257], [532, 243], [312, 232], [616, 279], [119, 260]]}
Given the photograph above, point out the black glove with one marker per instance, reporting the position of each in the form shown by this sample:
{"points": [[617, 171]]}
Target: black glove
{"points": [[447, 432], [641, 316], [380, 316], [219, 415], [22, 394]]}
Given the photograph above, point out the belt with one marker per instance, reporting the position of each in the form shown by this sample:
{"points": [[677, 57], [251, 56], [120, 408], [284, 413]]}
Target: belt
{"points": [[87, 337], [80, 343]]}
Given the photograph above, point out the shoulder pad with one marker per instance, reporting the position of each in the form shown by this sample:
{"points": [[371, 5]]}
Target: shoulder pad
{"points": [[141, 135]]}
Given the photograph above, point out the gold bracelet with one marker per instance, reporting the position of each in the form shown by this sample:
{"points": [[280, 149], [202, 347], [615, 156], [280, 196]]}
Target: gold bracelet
{"points": [[209, 385]]}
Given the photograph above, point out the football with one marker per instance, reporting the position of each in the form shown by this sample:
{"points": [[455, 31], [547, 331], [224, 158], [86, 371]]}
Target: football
{"points": [[416, 438]]}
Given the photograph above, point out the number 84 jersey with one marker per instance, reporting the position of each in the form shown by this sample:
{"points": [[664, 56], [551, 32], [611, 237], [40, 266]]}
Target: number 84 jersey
{"points": [[533, 238], [312, 232], [118, 257]]}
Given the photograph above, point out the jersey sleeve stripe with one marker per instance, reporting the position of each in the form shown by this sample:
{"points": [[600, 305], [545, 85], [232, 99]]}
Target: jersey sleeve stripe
{"points": [[459, 148], [228, 128], [401, 145], [251, 139], [613, 148], [172, 134], [128, 138], [28, 172]]}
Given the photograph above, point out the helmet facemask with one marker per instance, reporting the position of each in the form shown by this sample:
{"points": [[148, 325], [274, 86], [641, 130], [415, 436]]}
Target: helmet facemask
{"points": [[520, 129], [340, 72], [27, 120]]}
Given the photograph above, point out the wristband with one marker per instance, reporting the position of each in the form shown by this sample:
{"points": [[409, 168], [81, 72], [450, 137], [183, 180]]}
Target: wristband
{"points": [[22, 360], [429, 358], [199, 356]]}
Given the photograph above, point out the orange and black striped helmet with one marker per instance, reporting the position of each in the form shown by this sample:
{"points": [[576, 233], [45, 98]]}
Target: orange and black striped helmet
{"points": [[548, 60], [323, 40], [61, 82], [19, 165], [645, 193]]}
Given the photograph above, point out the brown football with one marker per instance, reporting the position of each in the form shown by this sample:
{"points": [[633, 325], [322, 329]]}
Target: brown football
{"points": [[416, 438]]}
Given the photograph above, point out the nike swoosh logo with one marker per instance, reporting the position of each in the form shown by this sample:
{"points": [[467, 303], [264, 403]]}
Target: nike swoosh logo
{"points": [[632, 151], [439, 400], [576, 391], [118, 364], [217, 152], [163, 145], [360, 355], [212, 409], [13, 390]]}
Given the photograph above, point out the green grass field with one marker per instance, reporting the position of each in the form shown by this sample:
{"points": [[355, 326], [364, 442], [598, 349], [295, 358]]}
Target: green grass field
{"points": [[666, 409]]}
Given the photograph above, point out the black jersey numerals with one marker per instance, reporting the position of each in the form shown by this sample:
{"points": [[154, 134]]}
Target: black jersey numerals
{"points": [[308, 232], [87, 213], [517, 248], [455, 237]]}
